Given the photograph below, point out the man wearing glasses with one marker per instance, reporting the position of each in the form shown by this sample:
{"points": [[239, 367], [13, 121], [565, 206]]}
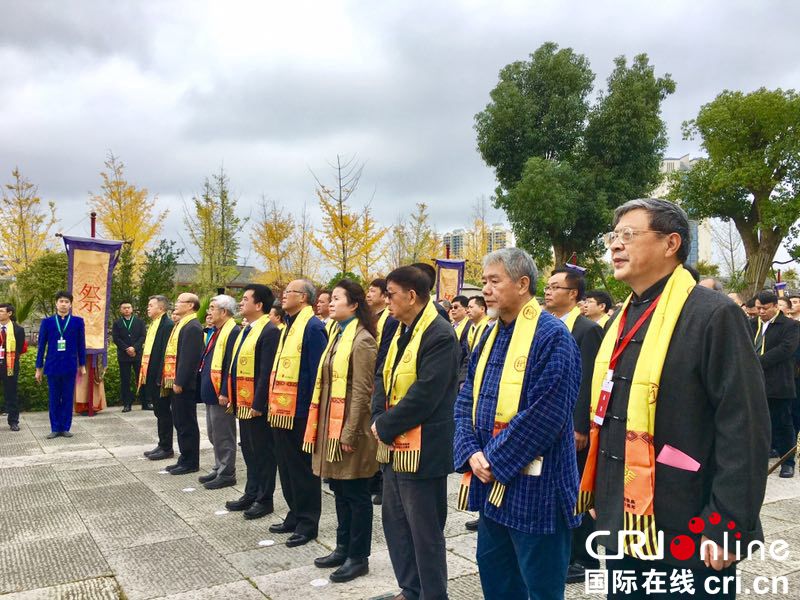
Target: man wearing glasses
{"points": [[680, 427], [294, 373]]}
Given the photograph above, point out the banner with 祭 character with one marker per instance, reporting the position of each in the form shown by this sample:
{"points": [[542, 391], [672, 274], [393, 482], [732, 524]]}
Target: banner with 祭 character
{"points": [[91, 263], [449, 278]]}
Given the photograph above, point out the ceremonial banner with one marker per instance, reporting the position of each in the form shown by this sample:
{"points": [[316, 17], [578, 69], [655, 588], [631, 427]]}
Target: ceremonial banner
{"points": [[91, 262], [449, 278]]}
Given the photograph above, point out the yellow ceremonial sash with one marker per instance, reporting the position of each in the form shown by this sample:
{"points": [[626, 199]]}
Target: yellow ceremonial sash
{"points": [[396, 383], [510, 390], [460, 328], [148, 349], [763, 337], [338, 393], [218, 356], [572, 316], [380, 325], [639, 486], [330, 327], [603, 320], [286, 373], [476, 332], [11, 349], [246, 367], [171, 354]]}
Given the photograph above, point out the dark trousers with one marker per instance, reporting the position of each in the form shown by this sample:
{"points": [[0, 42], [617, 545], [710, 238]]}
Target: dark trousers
{"points": [[125, 380], [62, 393], [780, 413], [796, 408], [579, 554], [258, 450], [414, 514], [637, 568], [10, 395], [354, 515], [184, 416], [515, 565], [376, 483], [162, 409], [301, 488]]}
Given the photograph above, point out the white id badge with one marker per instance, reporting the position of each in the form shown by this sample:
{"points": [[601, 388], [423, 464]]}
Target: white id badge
{"points": [[61, 345]]}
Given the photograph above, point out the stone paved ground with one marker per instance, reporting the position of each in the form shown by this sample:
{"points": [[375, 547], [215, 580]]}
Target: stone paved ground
{"points": [[90, 518]]}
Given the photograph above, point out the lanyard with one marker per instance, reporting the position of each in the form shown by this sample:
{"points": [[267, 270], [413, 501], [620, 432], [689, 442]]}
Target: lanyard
{"points": [[58, 324], [127, 324], [619, 348]]}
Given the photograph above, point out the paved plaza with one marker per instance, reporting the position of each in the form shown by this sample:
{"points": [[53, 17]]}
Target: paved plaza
{"points": [[90, 518]]}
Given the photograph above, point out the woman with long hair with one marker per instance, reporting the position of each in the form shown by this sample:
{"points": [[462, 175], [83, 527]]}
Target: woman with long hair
{"points": [[338, 432]]}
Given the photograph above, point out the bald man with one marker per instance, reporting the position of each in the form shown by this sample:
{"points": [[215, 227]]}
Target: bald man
{"points": [[181, 362]]}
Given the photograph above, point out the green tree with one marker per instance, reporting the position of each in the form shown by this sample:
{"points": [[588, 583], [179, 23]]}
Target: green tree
{"points": [[43, 278], [158, 274], [123, 288], [562, 163], [751, 175], [214, 229]]}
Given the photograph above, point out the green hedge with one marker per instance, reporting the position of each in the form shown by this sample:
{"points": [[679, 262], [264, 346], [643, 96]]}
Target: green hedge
{"points": [[33, 396]]}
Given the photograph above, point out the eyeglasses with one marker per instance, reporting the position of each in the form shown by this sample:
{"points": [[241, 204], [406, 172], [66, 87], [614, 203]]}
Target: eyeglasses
{"points": [[625, 235], [553, 288]]}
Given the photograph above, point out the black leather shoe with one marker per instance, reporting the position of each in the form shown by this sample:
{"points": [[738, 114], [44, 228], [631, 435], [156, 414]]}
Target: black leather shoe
{"points": [[220, 482], [153, 451], [242, 503], [184, 470], [576, 573], [377, 499], [471, 525], [787, 471], [14, 427], [126, 409], [334, 559], [352, 568], [147, 406], [206, 478], [52, 435], [161, 454], [169, 468], [258, 510], [297, 539], [281, 528], [66, 434]]}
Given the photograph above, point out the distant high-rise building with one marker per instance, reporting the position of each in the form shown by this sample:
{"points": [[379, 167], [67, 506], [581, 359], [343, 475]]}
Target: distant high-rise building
{"points": [[499, 237], [456, 241]]}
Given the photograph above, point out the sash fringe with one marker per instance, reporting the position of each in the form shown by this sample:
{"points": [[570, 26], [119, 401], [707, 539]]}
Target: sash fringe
{"points": [[496, 494], [281, 421], [308, 447], [585, 502], [406, 461], [463, 491], [383, 454], [647, 525], [334, 453], [242, 412]]}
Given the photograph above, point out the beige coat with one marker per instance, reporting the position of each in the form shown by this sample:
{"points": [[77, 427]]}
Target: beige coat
{"points": [[357, 413]]}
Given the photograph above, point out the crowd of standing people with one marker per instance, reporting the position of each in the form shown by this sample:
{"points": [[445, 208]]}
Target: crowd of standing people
{"points": [[566, 419]]}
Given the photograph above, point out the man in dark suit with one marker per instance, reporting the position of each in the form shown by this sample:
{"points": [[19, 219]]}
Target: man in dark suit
{"points": [[12, 346], [128, 333], [415, 499], [776, 337], [689, 440], [62, 339], [258, 444], [151, 373], [564, 290], [181, 385]]}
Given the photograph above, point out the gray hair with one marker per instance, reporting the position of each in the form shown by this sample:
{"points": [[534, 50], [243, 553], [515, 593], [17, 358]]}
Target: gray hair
{"points": [[226, 303], [665, 217], [517, 263], [310, 291], [163, 301]]}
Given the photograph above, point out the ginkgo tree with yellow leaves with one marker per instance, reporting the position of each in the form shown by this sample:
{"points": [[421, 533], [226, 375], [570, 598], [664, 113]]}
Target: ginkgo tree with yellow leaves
{"points": [[350, 240], [125, 212], [271, 238], [26, 225]]}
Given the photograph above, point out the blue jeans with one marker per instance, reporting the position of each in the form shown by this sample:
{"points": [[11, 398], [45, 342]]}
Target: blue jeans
{"points": [[515, 565]]}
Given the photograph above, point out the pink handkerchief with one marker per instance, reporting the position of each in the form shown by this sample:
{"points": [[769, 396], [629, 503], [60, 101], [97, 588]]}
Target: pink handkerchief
{"points": [[675, 458]]}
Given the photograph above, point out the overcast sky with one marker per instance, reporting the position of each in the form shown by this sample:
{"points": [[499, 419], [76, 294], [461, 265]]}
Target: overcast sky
{"points": [[272, 89]]}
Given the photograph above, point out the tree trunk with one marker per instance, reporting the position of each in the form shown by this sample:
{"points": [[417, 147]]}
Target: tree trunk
{"points": [[760, 252], [562, 254]]}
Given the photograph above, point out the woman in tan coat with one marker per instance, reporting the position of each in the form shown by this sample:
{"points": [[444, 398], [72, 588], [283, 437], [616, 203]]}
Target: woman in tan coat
{"points": [[338, 433]]}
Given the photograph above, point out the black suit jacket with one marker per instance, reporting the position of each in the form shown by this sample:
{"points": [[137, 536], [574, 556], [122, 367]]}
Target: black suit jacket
{"points": [[124, 339], [19, 342], [190, 351], [266, 347], [780, 342], [155, 366], [588, 335], [429, 402]]}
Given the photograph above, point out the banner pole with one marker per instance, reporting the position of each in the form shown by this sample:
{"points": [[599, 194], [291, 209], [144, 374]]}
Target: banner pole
{"points": [[90, 362]]}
